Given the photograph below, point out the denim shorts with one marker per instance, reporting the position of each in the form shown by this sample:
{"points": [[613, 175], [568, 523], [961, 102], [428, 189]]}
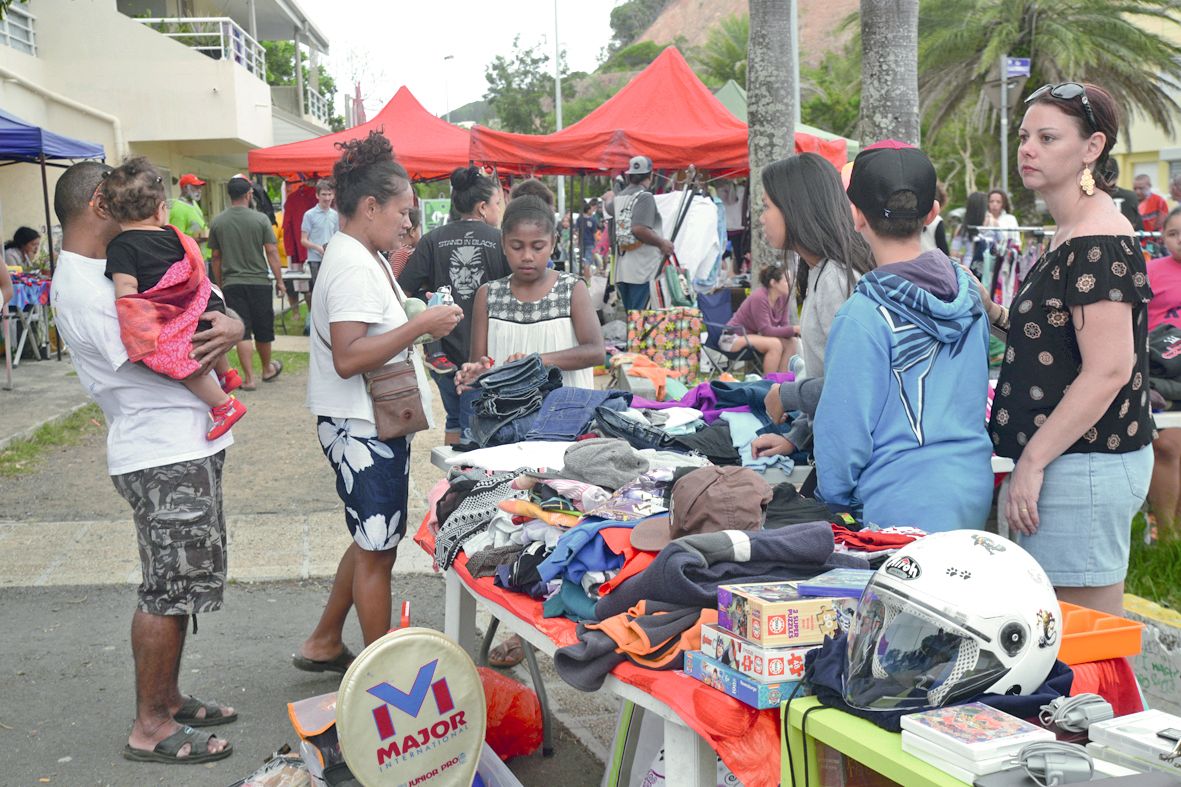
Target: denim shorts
{"points": [[1085, 515]]}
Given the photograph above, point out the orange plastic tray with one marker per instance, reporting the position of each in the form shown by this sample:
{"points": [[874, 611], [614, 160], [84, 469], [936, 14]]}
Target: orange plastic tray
{"points": [[1089, 635]]}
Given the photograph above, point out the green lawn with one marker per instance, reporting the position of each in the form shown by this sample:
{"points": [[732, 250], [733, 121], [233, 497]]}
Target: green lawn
{"points": [[1154, 570], [25, 455], [292, 362]]}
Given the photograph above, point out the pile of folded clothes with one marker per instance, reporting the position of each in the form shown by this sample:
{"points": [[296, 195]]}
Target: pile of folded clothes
{"points": [[524, 401], [633, 544]]}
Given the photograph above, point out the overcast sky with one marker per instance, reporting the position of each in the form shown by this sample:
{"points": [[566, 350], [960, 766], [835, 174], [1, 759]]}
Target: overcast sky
{"points": [[402, 42]]}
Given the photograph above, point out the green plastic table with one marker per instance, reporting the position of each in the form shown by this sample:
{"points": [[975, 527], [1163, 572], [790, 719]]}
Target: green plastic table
{"points": [[857, 739]]}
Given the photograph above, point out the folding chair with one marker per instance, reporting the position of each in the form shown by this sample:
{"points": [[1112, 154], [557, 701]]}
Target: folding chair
{"points": [[716, 311], [726, 361]]}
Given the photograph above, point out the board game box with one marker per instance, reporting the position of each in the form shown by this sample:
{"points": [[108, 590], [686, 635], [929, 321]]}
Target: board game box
{"points": [[741, 687], [839, 583], [755, 661], [775, 614]]}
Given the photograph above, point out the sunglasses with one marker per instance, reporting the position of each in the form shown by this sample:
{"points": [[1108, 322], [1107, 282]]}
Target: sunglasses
{"points": [[1067, 91]]}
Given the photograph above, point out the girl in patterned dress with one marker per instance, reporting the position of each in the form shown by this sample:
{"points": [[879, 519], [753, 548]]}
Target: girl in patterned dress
{"points": [[535, 309]]}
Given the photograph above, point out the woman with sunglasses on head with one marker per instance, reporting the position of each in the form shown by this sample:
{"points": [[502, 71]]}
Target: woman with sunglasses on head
{"points": [[1071, 406]]}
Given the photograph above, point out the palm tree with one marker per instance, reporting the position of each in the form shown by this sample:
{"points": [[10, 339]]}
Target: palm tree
{"points": [[723, 56], [1108, 42], [770, 121], [889, 70]]}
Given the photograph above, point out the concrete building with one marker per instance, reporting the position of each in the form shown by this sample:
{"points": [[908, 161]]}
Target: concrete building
{"points": [[1145, 148], [180, 81]]}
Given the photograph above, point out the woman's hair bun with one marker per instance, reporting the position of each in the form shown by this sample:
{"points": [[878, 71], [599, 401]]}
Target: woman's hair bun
{"points": [[361, 153], [464, 178]]}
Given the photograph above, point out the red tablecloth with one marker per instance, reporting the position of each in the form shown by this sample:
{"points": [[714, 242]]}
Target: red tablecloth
{"points": [[747, 739]]}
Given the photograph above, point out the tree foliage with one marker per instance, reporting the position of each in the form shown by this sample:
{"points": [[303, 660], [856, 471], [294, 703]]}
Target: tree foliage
{"points": [[633, 57], [280, 62], [830, 93], [1109, 42], [521, 90], [630, 19], [723, 56]]}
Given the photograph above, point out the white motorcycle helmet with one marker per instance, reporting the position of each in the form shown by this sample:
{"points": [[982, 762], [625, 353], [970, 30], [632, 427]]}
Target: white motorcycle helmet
{"points": [[948, 617]]}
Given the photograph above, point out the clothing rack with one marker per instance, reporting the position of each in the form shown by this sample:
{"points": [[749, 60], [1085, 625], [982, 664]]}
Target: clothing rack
{"points": [[1043, 231]]}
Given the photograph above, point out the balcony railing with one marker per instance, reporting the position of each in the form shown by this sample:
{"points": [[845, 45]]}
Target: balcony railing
{"points": [[317, 106], [18, 29], [217, 37]]}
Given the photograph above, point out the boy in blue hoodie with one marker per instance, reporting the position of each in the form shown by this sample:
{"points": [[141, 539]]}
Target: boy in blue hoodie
{"points": [[900, 433]]}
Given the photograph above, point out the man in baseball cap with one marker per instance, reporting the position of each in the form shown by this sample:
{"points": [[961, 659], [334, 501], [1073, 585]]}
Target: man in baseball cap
{"points": [[637, 229], [186, 213], [898, 437]]}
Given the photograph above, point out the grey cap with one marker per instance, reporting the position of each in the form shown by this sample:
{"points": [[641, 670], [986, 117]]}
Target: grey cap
{"points": [[602, 461], [639, 165]]}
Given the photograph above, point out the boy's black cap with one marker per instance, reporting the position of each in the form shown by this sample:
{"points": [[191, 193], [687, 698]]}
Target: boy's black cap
{"points": [[885, 168]]}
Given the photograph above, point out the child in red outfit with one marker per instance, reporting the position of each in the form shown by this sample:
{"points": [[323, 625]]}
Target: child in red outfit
{"points": [[161, 289]]}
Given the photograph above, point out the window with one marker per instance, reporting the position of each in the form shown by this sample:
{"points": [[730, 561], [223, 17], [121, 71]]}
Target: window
{"points": [[18, 29]]}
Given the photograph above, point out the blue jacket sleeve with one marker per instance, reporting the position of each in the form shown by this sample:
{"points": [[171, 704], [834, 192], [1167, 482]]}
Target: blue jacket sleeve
{"points": [[856, 369]]}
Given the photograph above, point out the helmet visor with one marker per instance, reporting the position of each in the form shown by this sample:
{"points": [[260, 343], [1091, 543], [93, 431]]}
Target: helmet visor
{"points": [[905, 655]]}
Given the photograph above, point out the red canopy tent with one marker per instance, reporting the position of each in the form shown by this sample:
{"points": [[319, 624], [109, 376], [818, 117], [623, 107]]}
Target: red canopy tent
{"points": [[427, 146], [665, 113]]}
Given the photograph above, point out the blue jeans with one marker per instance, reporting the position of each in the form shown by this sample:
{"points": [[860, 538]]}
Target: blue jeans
{"points": [[639, 436], [568, 412], [446, 385], [634, 296]]}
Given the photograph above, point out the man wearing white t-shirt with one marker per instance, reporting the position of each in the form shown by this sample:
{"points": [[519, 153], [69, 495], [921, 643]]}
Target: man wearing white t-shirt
{"points": [[161, 463]]}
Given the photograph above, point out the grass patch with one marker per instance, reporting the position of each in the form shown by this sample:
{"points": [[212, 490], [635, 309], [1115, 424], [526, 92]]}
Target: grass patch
{"points": [[1154, 570], [294, 323], [292, 362], [25, 455]]}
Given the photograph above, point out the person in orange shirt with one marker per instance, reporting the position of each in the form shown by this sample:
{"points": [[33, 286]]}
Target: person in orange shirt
{"points": [[1153, 207]]}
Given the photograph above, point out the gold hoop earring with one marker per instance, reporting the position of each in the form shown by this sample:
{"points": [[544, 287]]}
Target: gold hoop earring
{"points": [[1086, 182]]}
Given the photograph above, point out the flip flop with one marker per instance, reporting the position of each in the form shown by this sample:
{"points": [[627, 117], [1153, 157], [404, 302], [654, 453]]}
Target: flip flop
{"points": [[213, 714], [507, 654], [166, 749], [339, 664], [278, 371]]}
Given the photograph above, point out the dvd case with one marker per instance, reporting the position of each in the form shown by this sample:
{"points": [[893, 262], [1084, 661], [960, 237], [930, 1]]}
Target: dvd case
{"points": [[974, 731], [838, 583]]}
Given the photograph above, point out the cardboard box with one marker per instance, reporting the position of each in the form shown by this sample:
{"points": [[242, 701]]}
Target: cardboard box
{"points": [[763, 664], [740, 687], [775, 614]]}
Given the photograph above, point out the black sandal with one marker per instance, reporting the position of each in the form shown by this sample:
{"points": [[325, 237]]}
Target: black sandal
{"points": [[213, 714], [166, 750]]}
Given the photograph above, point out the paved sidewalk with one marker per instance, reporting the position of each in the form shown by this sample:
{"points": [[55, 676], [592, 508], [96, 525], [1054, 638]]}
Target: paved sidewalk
{"points": [[42, 391]]}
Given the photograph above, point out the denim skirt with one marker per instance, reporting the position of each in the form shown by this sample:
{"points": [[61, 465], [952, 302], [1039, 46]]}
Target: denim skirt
{"points": [[1085, 513]]}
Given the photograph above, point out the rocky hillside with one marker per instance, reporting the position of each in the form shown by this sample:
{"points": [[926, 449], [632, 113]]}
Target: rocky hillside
{"points": [[692, 20]]}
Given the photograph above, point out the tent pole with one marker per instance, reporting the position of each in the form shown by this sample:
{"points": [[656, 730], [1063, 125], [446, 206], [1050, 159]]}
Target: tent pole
{"points": [[48, 232]]}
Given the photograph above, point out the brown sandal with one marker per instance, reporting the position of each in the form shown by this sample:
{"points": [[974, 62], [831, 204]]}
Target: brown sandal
{"points": [[508, 653]]}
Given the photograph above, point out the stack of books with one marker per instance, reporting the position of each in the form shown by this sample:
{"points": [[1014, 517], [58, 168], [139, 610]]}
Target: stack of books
{"points": [[756, 652], [968, 741]]}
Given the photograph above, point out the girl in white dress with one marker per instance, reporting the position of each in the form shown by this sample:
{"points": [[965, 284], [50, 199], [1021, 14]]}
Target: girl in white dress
{"points": [[535, 309]]}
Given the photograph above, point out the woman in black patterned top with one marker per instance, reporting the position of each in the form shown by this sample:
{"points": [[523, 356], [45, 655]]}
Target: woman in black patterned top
{"points": [[1071, 404]]}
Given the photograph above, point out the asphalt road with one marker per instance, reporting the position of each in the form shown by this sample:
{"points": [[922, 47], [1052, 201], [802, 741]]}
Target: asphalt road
{"points": [[66, 695]]}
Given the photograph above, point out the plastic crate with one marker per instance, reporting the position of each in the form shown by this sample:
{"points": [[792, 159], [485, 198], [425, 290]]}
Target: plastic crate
{"points": [[1089, 635]]}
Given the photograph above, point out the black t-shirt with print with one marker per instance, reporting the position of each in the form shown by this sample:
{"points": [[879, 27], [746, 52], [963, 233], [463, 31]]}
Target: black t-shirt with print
{"points": [[462, 255], [1042, 358]]}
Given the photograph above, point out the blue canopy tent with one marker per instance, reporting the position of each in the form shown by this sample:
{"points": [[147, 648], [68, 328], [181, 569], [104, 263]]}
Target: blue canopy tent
{"points": [[23, 142]]}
